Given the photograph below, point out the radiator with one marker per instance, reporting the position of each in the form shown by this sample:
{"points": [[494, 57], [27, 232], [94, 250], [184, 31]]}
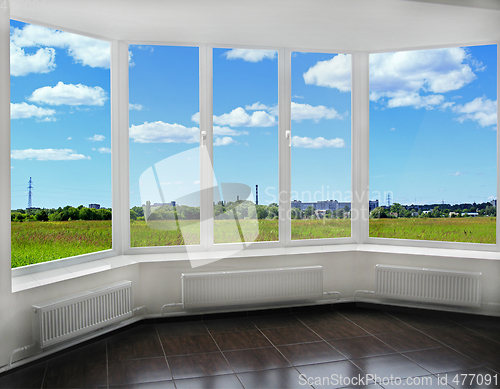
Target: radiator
{"points": [[428, 285], [230, 288], [72, 316]]}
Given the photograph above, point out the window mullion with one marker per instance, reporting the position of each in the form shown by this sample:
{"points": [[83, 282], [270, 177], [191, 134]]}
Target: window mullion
{"points": [[206, 147], [120, 147], [284, 104], [360, 146]]}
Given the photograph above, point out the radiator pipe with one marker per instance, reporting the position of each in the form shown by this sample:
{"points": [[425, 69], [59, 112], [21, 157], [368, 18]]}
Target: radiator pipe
{"points": [[332, 292], [363, 291], [139, 308], [17, 350], [170, 305]]}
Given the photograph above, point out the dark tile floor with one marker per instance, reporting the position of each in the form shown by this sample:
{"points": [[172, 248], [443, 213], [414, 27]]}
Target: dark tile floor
{"points": [[323, 347]]}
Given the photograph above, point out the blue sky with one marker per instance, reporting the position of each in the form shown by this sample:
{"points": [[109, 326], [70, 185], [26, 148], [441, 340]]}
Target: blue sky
{"points": [[432, 121]]}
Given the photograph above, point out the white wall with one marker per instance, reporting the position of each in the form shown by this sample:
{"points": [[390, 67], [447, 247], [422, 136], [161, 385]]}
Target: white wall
{"points": [[158, 283]]}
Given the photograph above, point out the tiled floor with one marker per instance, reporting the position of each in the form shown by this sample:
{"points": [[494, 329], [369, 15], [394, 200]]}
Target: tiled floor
{"points": [[326, 347]]}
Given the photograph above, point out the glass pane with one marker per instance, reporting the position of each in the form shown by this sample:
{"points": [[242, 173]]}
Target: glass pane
{"points": [[245, 145], [433, 120], [321, 146], [60, 141], [164, 146]]}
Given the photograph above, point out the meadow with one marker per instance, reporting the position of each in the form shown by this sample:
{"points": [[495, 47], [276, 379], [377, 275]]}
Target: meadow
{"points": [[35, 242]]}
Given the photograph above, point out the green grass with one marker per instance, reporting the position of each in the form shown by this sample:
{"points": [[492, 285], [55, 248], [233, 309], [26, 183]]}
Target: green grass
{"points": [[470, 229], [320, 229], [35, 242]]}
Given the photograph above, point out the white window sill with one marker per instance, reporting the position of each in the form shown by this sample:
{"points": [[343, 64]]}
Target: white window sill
{"points": [[28, 281]]}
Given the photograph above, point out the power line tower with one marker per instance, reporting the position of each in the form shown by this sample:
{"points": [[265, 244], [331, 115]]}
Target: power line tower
{"points": [[30, 189], [388, 199]]}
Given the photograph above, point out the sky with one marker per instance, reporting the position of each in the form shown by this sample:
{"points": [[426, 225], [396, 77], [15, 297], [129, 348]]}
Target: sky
{"points": [[432, 122]]}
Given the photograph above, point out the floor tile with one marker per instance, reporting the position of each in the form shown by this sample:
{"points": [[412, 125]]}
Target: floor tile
{"points": [[487, 327], [181, 329], [93, 353], [198, 365], [309, 353], [453, 335], [421, 322], [479, 377], [216, 382], [387, 365], [275, 321], [354, 313], [136, 371], [485, 352], [147, 385], [439, 360], [319, 317], [276, 378], [382, 325], [332, 375], [136, 332], [409, 340], [182, 345], [338, 330], [241, 340], [290, 335], [134, 348], [27, 377], [229, 325], [75, 375], [364, 346], [255, 359]]}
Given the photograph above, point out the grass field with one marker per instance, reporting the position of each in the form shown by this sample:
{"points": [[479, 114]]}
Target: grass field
{"points": [[470, 229], [35, 242]]}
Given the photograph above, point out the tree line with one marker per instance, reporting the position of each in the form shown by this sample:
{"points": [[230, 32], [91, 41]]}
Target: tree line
{"points": [[60, 214], [435, 211]]}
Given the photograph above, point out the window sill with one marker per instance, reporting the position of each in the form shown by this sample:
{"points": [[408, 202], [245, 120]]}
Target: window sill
{"points": [[22, 282]]}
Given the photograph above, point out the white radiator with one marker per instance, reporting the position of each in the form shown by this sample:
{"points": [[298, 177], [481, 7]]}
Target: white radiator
{"points": [[228, 288], [428, 285], [68, 317]]}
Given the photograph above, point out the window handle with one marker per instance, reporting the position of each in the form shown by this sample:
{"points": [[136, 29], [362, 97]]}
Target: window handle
{"points": [[203, 138], [288, 135]]}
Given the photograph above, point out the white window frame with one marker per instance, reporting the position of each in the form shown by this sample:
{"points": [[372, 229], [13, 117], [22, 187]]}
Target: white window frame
{"points": [[120, 164]]}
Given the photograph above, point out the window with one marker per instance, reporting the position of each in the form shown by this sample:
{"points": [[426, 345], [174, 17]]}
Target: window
{"points": [[60, 141], [321, 146], [433, 118], [245, 156], [164, 146]]}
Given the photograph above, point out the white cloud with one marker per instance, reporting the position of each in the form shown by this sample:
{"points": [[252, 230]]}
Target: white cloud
{"points": [[317, 143], [481, 110], [69, 138], [332, 73], [161, 132], [415, 100], [21, 64], [25, 111], [393, 129], [306, 111], [84, 50], [416, 78], [97, 138], [135, 107], [256, 107], [69, 94], [238, 117], [104, 150], [227, 140], [250, 55], [228, 131], [48, 154]]}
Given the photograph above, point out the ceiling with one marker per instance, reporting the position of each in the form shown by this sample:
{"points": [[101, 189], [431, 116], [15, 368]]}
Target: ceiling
{"points": [[336, 25]]}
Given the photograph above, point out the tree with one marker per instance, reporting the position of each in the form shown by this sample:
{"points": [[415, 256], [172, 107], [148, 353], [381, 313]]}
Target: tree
{"points": [[378, 213], [309, 211], [42, 216], [398, 209]]}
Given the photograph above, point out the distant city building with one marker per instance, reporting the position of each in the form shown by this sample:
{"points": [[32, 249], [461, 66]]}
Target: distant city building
{"points": [[172, 203], [329, 205], [493, 202], [95, 206]]}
